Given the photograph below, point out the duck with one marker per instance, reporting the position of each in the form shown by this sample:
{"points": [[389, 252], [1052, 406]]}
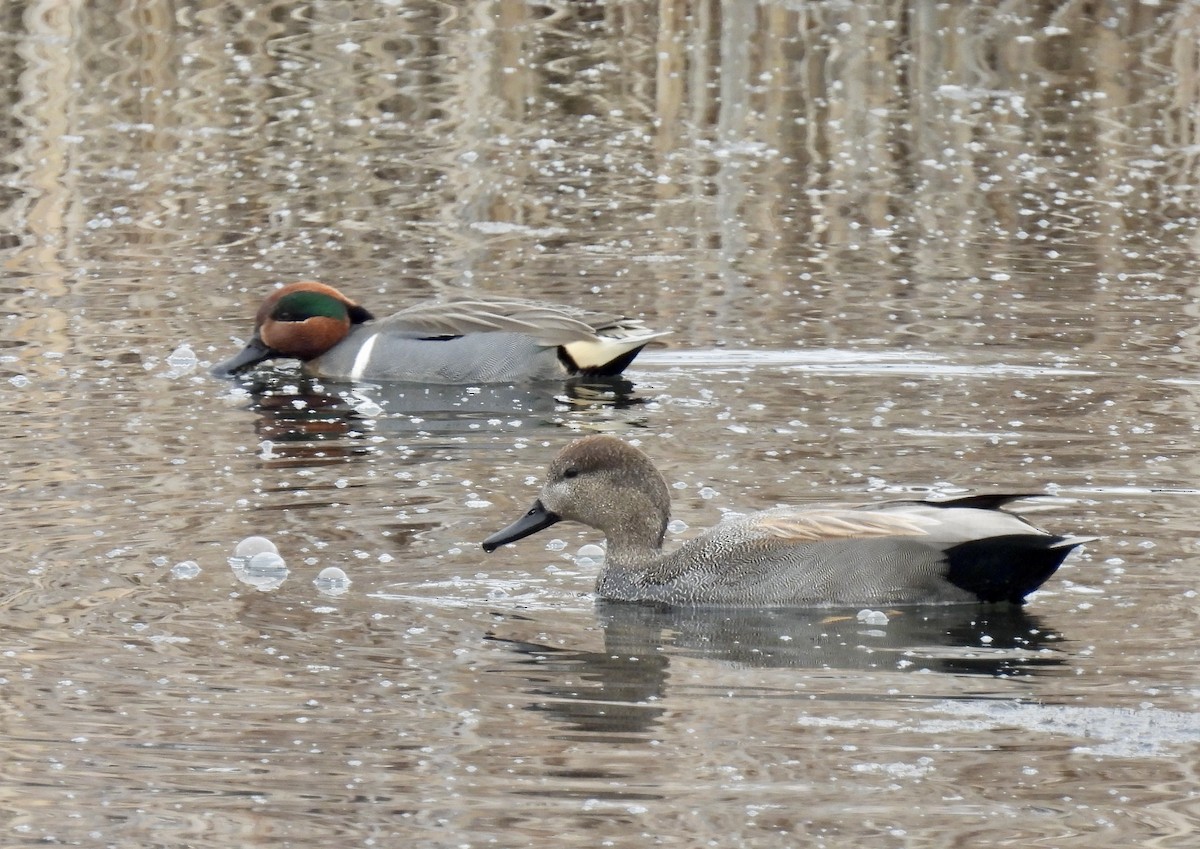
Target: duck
{"points": [[911, 552], [465, 341]]}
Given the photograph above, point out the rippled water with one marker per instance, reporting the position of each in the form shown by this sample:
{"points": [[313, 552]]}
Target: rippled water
{"points": [[904, 249]]}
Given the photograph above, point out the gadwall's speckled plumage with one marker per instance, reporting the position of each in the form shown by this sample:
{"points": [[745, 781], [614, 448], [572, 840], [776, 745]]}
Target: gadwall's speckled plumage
{"points": [[893, 553], [468, 341]]}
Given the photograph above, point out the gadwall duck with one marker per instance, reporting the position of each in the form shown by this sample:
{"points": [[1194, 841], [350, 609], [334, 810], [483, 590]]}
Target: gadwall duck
{"points": [[469, 341], [889, 553]]}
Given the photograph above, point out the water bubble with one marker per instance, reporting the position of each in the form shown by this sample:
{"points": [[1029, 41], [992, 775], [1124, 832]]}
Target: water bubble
{"points": [[333, 574], [266, 561], [589, 555], [251, 546], [872, 617], [256, 561], [182, 357], [265, 570], [332, 581], [181, 361], [186, 570]]}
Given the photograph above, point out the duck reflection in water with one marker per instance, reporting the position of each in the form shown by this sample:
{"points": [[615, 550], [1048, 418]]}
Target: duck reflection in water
{"points": [[300, 415], [619, 690]]}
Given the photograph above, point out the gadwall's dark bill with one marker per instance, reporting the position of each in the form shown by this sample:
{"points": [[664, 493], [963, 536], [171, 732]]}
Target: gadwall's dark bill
{"points": [[898, 552]]}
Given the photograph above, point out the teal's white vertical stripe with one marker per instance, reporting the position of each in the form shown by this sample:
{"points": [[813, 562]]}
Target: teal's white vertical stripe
{"points": [[363, 357]]}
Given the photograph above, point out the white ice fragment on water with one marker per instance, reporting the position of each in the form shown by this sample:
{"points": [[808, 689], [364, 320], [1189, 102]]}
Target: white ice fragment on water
{"points": [[502, 228], [744, 147], [367, 408], [872, 617], [1107, 731], [658, 258], [185, 570], [168, 639], [922, 767]]}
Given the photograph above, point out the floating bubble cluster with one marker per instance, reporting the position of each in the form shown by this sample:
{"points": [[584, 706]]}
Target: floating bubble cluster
{"points": [[257, 562]]}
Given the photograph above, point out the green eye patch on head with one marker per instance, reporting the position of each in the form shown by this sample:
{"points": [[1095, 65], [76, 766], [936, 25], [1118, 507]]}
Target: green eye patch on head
{"points": [[302, 305]]}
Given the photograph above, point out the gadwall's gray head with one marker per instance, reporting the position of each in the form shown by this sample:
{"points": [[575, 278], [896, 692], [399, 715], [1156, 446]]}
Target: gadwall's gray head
{"points": [[605, 483]]}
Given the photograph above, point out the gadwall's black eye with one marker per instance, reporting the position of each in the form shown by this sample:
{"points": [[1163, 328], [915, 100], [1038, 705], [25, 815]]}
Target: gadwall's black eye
{"points": [[570, 472]]}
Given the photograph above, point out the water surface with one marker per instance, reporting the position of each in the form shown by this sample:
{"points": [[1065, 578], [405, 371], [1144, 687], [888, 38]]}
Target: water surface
{"points": [[904, 250]]}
